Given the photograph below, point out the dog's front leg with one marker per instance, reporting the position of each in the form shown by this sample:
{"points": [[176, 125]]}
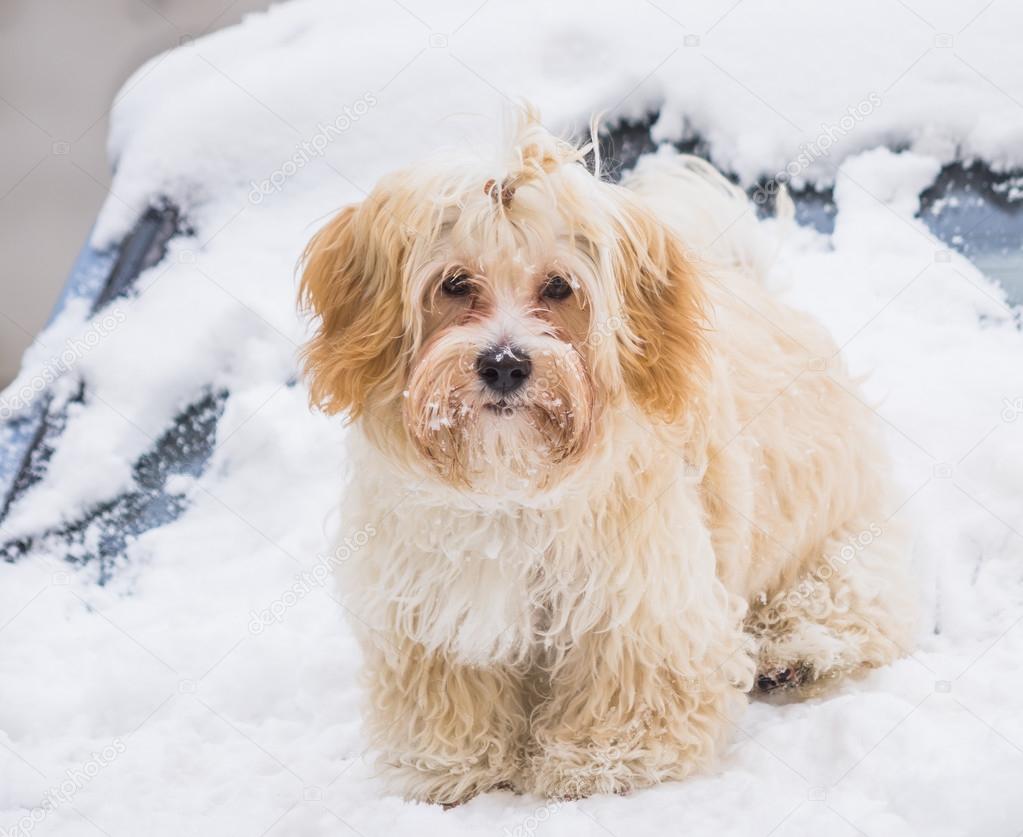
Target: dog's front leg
{"points": [[623, 714], [652, 686], [445, 731]]}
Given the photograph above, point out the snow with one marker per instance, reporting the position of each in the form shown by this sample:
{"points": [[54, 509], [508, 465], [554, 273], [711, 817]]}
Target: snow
{"points": [[210, 686]]}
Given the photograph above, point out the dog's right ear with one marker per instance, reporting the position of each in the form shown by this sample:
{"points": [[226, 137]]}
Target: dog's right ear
{"points": [[351, 281]]}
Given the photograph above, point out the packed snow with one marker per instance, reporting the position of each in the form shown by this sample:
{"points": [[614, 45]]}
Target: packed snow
{"points": [[210, 686]]}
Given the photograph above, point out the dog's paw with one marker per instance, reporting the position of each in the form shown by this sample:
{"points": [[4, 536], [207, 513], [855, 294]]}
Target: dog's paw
{"points": [[449, 798], [789, 677], [449, 786], [570, 788], [566, 775]]}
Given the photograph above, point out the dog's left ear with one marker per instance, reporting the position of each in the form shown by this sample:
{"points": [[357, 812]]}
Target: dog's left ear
{"points": [[662, 344]]}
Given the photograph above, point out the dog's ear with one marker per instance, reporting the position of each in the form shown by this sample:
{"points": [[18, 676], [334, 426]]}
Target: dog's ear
{"points": [[351, 281], [663, 342]]}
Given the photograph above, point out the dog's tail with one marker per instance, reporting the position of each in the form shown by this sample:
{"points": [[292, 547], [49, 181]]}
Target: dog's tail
{"points": [[711, 215]]}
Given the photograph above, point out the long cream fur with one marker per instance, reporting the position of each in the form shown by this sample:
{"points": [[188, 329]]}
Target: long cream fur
{"points": [[574, 593]]}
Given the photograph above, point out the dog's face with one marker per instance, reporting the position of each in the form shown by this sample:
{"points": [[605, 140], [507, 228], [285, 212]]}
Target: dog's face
{"points": [[483, 328]]}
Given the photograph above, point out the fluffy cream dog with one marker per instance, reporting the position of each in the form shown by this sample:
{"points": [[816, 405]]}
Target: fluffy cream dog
{"points": [[614, 484]]}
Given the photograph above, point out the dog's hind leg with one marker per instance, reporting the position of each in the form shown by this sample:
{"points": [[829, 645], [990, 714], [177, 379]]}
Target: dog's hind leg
{"points": [[851, 610]]}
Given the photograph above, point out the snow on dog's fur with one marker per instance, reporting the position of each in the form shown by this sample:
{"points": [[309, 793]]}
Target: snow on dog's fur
{"points": [[577, 578]]}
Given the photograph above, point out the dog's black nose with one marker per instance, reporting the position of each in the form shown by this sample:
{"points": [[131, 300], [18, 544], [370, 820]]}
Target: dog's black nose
{"points": [[503, 368]]}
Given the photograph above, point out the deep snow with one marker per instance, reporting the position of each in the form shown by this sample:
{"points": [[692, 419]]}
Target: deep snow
{"points": [[209, 687]]}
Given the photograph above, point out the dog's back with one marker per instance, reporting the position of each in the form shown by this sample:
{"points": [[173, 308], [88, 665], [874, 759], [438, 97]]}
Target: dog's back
{"points": [[710, 214]]}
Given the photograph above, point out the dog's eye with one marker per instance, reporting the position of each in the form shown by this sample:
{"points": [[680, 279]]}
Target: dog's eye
{"points": [[457, 285], [556, 287]]}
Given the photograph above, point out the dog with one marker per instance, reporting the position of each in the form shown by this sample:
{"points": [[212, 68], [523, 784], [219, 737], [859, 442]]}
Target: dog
{"points": [[614, 484]]}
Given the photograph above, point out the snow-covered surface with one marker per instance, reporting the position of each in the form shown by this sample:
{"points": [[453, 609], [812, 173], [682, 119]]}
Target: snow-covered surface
{"points": [[210, 686]]}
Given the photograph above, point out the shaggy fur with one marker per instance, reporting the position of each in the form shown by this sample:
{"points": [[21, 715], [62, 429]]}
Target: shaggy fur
{"points": [[571, 590]]}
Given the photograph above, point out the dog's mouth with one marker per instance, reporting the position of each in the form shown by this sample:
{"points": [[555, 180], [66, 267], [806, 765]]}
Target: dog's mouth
{"points": [[502, 407]]}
